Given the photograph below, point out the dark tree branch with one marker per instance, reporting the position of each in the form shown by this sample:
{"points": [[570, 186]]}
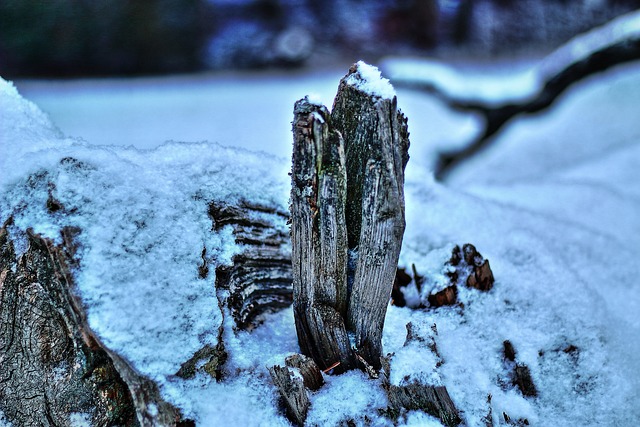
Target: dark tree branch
{"points": [[605, 49]]}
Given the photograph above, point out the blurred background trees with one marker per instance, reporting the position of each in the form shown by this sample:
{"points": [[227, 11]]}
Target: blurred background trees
{"points": [[107, 37]]}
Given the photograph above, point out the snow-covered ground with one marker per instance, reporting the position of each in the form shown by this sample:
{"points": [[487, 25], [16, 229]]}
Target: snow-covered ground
{"points": [[248, 110], [511, 81], [553, 204]]}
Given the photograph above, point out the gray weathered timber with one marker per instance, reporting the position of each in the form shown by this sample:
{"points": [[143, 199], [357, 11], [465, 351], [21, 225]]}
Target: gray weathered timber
{"points": [[347, 213], [318, 236], [51, 363], [293, 393], [376, 143], [259, 281], [434, 400], [311, 375]]}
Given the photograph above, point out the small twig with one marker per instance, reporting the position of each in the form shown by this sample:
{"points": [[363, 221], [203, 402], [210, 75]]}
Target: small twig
{"points": [[330, 368]]}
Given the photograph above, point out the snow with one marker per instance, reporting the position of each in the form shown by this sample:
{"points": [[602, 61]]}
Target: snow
{"points": [[78, 419], [560, 191], [519, 82], [144, 221], [143, 216], [3, 421], [368, 79], [491, 85], [217, 107], [347, 396], [552, 204]]}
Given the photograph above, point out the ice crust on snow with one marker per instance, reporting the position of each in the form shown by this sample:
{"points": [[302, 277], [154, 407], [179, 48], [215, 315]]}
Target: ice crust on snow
{"points": [[558, 223], [368, 79]]}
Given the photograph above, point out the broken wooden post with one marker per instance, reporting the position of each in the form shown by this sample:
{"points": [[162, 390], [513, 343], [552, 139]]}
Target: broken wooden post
{"points": [[347, 213], [318, 234]]}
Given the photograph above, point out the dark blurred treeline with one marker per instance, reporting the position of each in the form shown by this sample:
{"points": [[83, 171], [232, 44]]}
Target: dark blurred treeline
{"points": [[89, 37], [108, 37]]}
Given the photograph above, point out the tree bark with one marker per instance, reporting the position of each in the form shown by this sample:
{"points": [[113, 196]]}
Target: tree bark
{"points": [[51, 363], [347, 212]]}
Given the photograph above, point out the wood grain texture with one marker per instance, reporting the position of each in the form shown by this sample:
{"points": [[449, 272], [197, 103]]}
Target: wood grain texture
{"points": [[51, 362], [319, 237], [347, 213], [376, 144]]}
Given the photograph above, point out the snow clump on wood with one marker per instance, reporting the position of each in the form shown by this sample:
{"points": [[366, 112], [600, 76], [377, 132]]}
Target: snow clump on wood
{"points": [[369, 80]]}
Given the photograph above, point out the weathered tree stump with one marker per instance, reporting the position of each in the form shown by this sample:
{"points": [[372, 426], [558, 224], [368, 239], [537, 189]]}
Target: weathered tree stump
{"points": [[347, 212]]}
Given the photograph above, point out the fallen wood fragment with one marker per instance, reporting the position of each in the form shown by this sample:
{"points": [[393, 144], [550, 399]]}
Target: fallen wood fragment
{"points": [[259, 281], [434, 400], [311, 374], [293, 393], [519, 372]]}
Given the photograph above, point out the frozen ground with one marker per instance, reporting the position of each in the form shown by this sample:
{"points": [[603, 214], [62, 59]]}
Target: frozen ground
{"points": [[553, 205]]}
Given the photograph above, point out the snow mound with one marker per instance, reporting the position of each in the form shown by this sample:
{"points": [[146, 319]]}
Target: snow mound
{"points": [[143, 221]]}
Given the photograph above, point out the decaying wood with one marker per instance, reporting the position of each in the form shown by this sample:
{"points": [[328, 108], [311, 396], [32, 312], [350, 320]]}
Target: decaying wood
{"points": [[487, 420], [447, 296], [259, 280], [51, 363], [311, 375], [470, 268], [293, 393], [211, 358], [429, 340], [520, 373], [465, 267], [434, 400], [376, 141], [401, 280], [520, 422], [347, 212], [318, 235], [522, 379]]}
